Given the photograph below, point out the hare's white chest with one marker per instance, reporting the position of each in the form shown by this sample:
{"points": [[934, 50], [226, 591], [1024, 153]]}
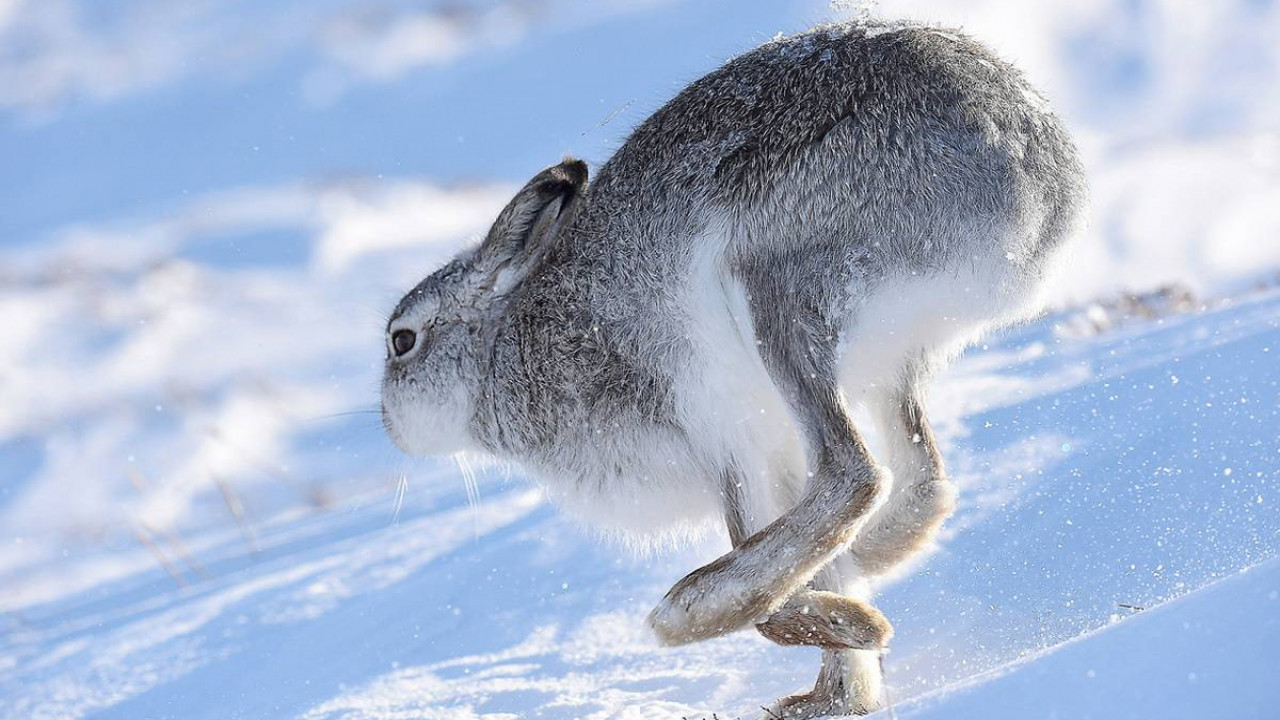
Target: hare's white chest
{"points": [[641, 482]]}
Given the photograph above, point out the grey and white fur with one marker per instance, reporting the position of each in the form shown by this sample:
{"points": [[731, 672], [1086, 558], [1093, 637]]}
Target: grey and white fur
{"points": [[820, 224]]}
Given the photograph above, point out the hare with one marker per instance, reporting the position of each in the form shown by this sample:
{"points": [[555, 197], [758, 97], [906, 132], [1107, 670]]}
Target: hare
{"points": [[821, 223]]}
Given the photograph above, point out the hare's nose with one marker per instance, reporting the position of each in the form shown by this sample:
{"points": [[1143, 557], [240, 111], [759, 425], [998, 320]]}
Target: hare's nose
{"points": [[402, 341]]}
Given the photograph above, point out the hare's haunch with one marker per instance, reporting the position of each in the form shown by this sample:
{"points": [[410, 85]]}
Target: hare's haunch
{"points": [[820, 223]]}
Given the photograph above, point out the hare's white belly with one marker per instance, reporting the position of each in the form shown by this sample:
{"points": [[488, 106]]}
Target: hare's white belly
{"points": [[730, 400], [727, 398], [929, 319]]}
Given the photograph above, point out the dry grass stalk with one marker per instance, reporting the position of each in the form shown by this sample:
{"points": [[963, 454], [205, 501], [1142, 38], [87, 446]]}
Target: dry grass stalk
{"points": [[237, 511], [158, 554]]}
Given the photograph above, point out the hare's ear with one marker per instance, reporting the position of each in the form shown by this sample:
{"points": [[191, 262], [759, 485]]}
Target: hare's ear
{"points": [[527, 224]]}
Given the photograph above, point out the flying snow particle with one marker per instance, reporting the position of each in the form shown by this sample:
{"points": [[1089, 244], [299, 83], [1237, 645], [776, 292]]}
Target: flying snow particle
{"points": [[860, 9]]}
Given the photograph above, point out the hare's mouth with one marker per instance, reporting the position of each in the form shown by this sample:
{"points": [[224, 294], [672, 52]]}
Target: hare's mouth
{"points": [[424, 420], [395, 406], [389, 425]]}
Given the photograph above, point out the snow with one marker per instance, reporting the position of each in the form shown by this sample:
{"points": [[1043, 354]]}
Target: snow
{"points": [[1186, 659], [505, 608], [207, 211]]}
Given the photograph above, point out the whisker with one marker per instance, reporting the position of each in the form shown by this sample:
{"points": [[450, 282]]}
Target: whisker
{"points": [[361, 415], [472, 487], [402, 488], [347, 413]]}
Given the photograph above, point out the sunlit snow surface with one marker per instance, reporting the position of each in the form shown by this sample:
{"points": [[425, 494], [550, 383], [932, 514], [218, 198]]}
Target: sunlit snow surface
{"points": [[1208, 655], [206, 210], [1115, 473]]}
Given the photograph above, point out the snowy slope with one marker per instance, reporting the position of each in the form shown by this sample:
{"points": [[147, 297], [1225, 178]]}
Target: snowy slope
{"points": [[1120, 470], [1187, 659]]}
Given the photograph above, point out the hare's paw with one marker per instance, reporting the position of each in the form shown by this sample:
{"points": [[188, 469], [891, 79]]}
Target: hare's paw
{"points": [[828, 621], [713, 600], [816, 705]]}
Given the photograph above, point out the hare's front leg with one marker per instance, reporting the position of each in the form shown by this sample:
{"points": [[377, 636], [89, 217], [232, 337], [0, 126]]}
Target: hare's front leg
{"points": [[850, 681], [753, 580], [849, 631], [825, 614], [848, 684]]}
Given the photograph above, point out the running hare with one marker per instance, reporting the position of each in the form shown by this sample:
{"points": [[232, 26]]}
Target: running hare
{"points": [[821, 223]]}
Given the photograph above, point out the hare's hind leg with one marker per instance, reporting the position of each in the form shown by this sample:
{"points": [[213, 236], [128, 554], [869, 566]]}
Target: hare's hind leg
{"points": [[921, 497], [798, 347]]}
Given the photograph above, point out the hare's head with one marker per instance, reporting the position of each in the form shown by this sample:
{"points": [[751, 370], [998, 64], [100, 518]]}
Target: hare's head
{"points": [[440, 334]]}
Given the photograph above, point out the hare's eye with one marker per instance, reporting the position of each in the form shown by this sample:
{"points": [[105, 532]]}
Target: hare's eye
{"points": [[402, 341]]}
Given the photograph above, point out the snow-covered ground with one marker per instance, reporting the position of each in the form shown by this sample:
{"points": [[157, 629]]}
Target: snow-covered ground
{"points": [[1100, 477], [206, 209], [1188, 659]]}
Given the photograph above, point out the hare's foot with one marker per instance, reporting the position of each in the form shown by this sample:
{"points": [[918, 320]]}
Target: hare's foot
{"points": [[849, 684], [814, 704], [829, 621], [715, 599], [746, 585]]}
